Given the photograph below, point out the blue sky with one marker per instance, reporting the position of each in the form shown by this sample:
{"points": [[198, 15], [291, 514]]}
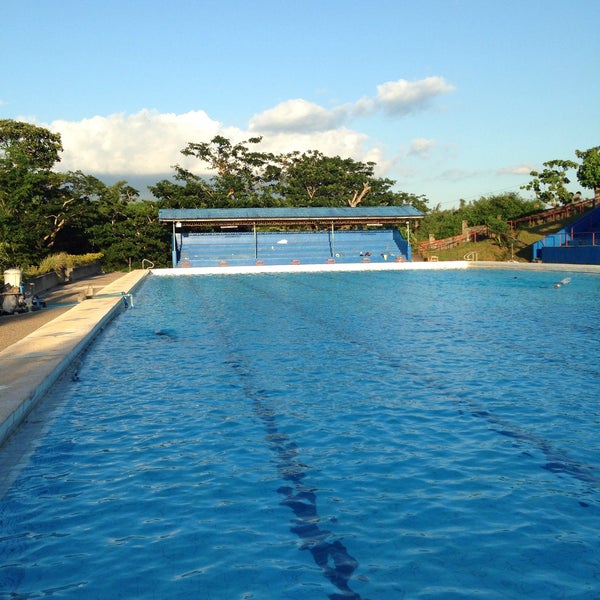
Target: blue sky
{"points": [[453, 99]]}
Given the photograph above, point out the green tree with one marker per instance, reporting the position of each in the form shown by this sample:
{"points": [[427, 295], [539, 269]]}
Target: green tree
{"points": [[499, 207], [81, 194], [134, 236], [127, 230], [588, 173], [245, 177], [313, 179], [192, 191], [549, 185], [33, 205], [492, 211], [240, 172]]}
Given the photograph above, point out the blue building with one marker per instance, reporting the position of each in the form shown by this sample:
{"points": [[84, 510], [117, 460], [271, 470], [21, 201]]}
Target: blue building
{"points": [[578, 243]]}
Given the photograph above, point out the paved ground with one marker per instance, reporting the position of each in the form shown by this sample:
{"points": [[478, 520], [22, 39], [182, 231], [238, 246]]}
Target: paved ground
{"points": [[59, 300], [47, 342]]}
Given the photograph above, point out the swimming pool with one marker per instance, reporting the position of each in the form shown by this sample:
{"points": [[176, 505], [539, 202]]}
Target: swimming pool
{"points": [[336, 435]]}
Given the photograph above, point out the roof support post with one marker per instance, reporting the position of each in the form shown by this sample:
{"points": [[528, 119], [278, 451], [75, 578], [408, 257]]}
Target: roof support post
{"points": [[174, 246], [332, 241], [255, 241]]}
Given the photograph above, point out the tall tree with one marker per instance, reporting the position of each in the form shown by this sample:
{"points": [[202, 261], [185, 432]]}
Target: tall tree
{"points": [[240, 172], [550, 184], [313, 179], [32, 201], [588, 172], [246, 177]]}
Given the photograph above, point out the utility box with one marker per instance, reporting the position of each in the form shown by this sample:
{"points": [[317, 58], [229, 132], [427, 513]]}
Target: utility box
{"points": [[13, 277]]}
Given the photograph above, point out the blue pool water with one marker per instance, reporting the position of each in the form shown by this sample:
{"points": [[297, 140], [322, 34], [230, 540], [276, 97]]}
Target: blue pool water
{"points": [[345, 435]]}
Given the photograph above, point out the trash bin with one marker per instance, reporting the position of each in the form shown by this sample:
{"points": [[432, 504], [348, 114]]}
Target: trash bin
{"points": [[12, 277]]}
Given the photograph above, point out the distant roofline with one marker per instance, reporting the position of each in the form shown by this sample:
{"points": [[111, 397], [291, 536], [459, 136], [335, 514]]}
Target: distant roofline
{"points": [[346, 215]]}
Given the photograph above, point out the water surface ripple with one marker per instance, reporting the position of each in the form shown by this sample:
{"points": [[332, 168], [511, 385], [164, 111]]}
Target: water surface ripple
{"points": [[344, 435]]}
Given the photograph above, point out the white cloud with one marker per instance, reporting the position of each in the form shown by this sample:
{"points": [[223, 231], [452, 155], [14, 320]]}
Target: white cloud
{"points": [[399, 97], [149, 142], [523, 169], [403, 97], [142, 143], [297, 116], [336, 142], [421, 147]]}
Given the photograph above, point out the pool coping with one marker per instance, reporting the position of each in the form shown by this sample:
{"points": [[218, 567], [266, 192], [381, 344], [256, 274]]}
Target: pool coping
{"points": [[375, 266], [30, 366]]}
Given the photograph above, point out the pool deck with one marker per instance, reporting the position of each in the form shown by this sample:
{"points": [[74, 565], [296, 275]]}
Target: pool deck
{"points": [[31, 365]]}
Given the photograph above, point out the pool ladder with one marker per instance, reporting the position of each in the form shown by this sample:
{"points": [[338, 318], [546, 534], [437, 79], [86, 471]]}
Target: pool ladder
{"points": [[127, 299], [471, 256]]}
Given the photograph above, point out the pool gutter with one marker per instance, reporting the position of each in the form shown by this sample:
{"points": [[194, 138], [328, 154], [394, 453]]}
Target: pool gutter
{"points": [[29, 367]]}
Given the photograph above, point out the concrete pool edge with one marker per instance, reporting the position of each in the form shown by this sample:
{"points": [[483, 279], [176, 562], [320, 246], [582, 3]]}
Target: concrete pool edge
{"points": [[30, 366], [312, 268], [380, 266]]}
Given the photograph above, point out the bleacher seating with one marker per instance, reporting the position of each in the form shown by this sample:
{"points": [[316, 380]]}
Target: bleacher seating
{"points": [[283, 247]]}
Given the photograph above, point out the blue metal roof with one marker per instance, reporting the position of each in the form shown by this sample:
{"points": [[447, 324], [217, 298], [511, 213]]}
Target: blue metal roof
{"points": [[320, 213]]}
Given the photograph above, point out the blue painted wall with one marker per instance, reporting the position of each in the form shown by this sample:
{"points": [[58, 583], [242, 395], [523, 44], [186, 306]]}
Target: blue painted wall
{"points": [[578, 243]]}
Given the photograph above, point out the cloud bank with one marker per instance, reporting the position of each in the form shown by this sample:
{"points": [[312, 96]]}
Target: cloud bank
{"points": [[149, 142], [142, 143]]}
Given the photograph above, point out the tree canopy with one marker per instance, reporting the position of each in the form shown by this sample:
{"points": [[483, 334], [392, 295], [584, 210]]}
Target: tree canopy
{"points": [[32, 202], [588, 172], [492, 211], [549, 185], [43, 211], [242, 176]]}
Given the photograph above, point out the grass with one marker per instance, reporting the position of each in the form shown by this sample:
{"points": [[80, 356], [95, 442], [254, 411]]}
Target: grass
{"points": [[519, 249]]}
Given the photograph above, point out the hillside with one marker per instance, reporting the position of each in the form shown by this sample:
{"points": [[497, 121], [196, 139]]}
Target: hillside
{"points": [[520, 250]]}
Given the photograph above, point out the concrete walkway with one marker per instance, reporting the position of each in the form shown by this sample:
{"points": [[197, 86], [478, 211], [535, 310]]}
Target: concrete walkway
{"points": [[58, 300], [30, 365]]}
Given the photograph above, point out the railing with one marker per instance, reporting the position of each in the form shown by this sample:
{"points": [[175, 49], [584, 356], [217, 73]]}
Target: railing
{"points": [[472, 235], [144, 261], [571, 238], [553, 214]]}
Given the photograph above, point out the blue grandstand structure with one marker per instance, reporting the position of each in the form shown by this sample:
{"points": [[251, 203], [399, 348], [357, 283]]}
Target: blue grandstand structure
{"points": [[578, 243], [278, 236]]}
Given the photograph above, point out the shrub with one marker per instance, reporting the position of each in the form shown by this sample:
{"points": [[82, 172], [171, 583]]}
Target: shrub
{"points": [[61, 262]]}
